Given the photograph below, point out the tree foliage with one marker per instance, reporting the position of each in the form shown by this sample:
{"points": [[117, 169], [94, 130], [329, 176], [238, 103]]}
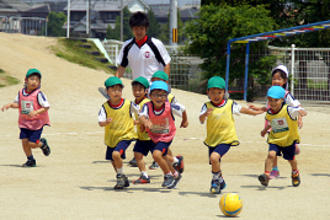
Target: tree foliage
{"points": [[56, 21], [208, 35], [114, 33]]}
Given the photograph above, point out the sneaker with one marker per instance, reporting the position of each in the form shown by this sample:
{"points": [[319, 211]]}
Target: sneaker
{"points": [[133, 163], [215, 186], [29, 163], [176, 181], [179, 166], [264, 180], [168, 181], [274, 174], [295, 179], [142, 180], [154, 165], [45, 148], [122, 181]]}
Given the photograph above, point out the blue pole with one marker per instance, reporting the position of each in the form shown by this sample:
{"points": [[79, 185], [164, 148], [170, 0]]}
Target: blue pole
{"points": [[227, 65], [247, 52]]}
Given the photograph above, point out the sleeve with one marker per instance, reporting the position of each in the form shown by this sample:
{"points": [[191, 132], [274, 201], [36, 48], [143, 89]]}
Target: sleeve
{"points": [[163, 52], [203, 110], [294, 112], [135, 108], [236, 108], [144, 111], [177, 109], [120, 56], [291, 101], [102, 116], [16, 99], [42, 100]]}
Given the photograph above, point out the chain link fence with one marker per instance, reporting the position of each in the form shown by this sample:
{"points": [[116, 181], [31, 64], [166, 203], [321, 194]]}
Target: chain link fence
{"points": [[309, 72], [24, 25]]}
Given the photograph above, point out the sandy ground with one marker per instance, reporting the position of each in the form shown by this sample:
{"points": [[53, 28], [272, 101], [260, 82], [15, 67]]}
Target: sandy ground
{"points": [[75, 182]]}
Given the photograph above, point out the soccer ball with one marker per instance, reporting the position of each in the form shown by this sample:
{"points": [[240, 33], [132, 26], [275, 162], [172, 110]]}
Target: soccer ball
{"points": [[231, 204]]}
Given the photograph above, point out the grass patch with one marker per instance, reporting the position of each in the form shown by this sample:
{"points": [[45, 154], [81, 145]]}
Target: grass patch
{"points": [[7, 80], [72, 51]]}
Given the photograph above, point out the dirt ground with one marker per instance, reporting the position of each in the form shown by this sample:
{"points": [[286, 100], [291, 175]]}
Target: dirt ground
{"points": [[75, 182]]}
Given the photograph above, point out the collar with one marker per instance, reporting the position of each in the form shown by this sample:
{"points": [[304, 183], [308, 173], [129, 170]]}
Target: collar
{"points": [[142, 41], [139, 101], [117, 106], [220, 104]]}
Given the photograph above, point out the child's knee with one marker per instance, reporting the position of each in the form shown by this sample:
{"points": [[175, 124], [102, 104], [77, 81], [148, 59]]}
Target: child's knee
{"points": [[115, 155], [157, 155], [271, 155], [138, 156], [215, 158]]}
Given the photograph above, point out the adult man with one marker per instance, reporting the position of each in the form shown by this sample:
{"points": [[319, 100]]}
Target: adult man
{"points": [[143, 54]]}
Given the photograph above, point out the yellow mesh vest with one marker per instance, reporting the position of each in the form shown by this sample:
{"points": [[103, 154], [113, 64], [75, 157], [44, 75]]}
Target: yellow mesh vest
{"points": [[142, 135], [170, 97], [221, 125], [284, 129], [122, 125]]}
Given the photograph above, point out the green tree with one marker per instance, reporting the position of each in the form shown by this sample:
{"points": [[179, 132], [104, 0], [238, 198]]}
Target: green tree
{"points": [[154, 29], [56, 21], [114, 33], [208, 35]]}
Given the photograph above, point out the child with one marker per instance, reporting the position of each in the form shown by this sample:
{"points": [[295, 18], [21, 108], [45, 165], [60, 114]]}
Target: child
{"points": [[143, 144], [33, 116], [221, 132], [157, 118], [115, 116], [284, 133], [280, 76]]}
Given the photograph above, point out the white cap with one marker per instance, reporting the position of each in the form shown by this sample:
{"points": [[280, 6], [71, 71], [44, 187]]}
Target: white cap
{"points": [[282, 68]]}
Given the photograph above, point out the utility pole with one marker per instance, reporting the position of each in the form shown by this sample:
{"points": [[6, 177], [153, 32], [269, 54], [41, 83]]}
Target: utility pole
{"points": [[68, 21], [173, 23], [121, 20], [88, 17]]}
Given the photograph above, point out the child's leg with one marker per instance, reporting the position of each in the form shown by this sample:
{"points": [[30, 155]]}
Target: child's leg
{"points": [[117, 161], [158, 157], [26, 147], [117, 154], [289, 154], [269, 162], [139, 160]]}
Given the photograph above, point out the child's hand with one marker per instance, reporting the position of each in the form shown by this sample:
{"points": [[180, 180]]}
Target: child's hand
{"points": [[108, 121], [300, 123], [136, 122], [148, 124], [32, 114], [208, 112], [257, 109], [5, 107], [142, 128], [263, 132], [184, 124]]}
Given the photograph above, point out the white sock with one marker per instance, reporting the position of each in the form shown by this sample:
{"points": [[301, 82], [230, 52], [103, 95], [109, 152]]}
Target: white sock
{"points": [[175, 160], [144, 173], [120, 170]]}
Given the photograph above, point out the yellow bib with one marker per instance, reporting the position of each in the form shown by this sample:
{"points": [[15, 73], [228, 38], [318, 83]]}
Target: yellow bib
{"points": [[284, 129], [170, 97], [142, 135], [220, 125], [122, 125]]}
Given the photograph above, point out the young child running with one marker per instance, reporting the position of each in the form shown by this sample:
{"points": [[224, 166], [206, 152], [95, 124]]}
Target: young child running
{"points": [[280, 77], [220, 127], [158, 120], [116, 118], [143, 144], [283, 121], [33, 116]]}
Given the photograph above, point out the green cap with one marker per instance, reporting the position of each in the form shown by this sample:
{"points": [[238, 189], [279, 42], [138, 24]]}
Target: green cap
{"points": [[161, 75], [33, 71], [143, 81], [216, 82], [112, 81]]}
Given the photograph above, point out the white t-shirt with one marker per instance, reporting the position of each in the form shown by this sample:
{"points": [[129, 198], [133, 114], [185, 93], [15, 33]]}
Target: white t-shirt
{"points": [[146, 60], [42, 99]]}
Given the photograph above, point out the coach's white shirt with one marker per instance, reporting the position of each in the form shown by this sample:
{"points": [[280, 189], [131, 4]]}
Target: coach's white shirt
{"points": [[143, 61]]}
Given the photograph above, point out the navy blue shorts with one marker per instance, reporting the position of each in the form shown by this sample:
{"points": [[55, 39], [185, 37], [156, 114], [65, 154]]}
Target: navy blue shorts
{"points": [[31, 135], [121, 148], [288, 152], [143, 147], [221, 149], [161, 146]]}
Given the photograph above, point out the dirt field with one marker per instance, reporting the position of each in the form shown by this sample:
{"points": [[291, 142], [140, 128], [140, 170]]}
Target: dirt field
{"points": [[75, 182]]}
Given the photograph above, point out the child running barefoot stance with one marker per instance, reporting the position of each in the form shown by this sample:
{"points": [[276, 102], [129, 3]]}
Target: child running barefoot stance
{"points": [[157, 118], [280, 77], [116, 118], [283, 121], [221, 132], [33, 116]]}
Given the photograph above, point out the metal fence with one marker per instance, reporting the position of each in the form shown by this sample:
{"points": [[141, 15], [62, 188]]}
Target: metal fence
{"points": [[309, 71], [185, 70], [24, 25]]}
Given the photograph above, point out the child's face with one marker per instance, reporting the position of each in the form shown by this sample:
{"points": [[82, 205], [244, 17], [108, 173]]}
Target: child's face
{"points": [[277, 79], [139, 91], [115, 92], [158, 97], [216, 95], [275, 104], [32, 82], [139, 32]]}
